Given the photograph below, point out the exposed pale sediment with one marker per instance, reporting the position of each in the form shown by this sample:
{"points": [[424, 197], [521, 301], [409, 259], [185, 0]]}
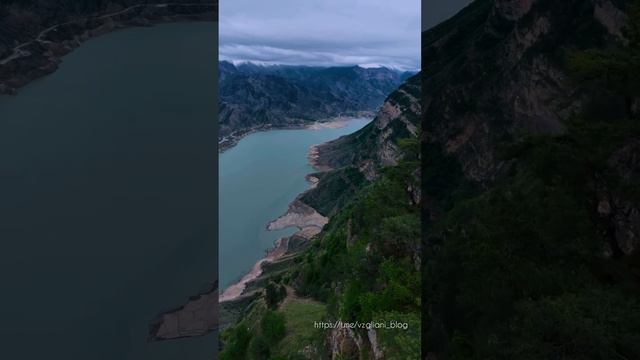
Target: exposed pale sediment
{"points": [[312, 155], [299, 215], [230, 140], [234, 291], [333, 123]]}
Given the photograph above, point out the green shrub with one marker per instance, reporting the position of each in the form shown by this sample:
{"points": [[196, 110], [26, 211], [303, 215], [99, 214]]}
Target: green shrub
{"points": [[274, 293], [259, 348], [273, 327], [236, 341]]}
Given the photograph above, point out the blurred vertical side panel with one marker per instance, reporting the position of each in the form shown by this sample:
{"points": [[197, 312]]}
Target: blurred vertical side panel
{"points": [[530, 161], [108, 179]]}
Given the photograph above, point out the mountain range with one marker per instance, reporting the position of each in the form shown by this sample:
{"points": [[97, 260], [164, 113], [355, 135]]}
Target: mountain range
{"points": [[255, 97]]}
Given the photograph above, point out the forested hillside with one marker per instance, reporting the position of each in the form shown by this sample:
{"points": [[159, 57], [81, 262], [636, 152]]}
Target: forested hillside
{"points": [[531, 181]]}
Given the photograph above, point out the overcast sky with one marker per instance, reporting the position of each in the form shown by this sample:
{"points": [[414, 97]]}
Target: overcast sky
{"points": [[322, 32]]}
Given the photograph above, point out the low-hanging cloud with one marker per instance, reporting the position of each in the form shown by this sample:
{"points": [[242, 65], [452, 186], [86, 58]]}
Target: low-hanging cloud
{"points": [[322, 32]]}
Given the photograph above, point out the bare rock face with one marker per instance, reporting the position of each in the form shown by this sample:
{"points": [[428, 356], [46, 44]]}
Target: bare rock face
{"points": [[376, 349], [612, 18], [509, 80], [623, 211], [376, 145], [344, 344], [513, 9]]}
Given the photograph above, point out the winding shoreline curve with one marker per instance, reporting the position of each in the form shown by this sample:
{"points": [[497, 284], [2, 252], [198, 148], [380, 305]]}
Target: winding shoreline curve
{"points": [[42, 55], [307, 219]]}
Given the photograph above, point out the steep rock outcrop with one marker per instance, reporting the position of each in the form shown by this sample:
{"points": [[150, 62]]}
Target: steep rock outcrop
{"points": [[619, 208], [377, 144], [495, 71]]}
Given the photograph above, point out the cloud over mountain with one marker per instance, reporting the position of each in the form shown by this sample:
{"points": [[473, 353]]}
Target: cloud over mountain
{"points": [[322, 32]]}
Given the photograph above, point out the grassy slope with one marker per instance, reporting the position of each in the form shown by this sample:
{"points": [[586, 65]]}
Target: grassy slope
{"points": [[300, 316]]}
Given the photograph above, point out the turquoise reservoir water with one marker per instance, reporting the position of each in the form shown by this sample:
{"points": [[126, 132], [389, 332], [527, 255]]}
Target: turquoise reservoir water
{"points": [[108, 197], [259, 177]]}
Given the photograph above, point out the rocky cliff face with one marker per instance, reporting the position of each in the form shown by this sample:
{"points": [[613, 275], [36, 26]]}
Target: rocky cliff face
{"points": [[254, 97], [350, 162], [619, 210], [377, 145], [496, 71]]}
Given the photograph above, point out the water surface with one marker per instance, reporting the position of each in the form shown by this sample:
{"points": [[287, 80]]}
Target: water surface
{"points": [[259, 177], [108, 196]]}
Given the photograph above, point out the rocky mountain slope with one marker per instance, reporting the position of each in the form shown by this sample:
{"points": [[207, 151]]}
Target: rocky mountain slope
{"points": [[35, 34], [377, 145], [497, 70], [530, 181], [349, 162], [254, 97]]}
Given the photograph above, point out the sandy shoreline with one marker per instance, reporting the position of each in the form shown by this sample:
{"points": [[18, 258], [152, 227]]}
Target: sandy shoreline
{"points": [[232, 139], [333, 123], [235, 291]]}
